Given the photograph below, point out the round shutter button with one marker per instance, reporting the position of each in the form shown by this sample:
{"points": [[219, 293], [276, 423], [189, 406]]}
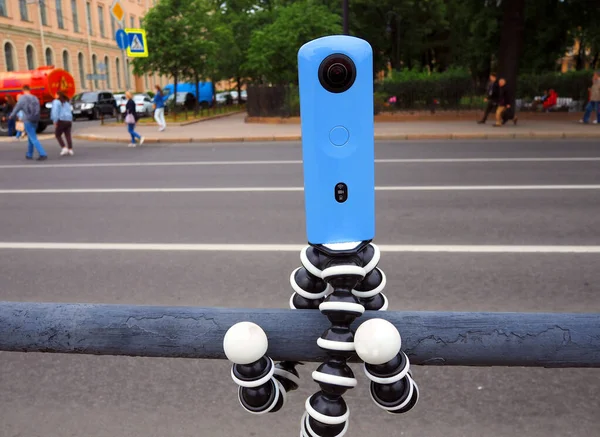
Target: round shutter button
{"points": [[339, 136]]}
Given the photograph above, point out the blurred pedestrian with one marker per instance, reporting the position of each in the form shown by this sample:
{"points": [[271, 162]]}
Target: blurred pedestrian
{"points": [[30, 105], [159, 111], [594, 103], [62, 117], [503, 102], [20, 126], [491, 98], [131, 118], [11, 123]]}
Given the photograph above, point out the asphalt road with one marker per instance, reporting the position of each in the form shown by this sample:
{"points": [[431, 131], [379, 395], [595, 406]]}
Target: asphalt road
{"points": [[59, 396]]}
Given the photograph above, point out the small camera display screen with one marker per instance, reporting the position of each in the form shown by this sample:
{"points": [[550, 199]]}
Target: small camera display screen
{"points": [[341, 192]]}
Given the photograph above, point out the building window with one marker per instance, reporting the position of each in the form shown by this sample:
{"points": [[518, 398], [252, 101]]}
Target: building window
{"points": [[65, 60], [49, 60], [132, 21], [75, 15], [107, 71], [118, 68], [23, 10], [112, 27], [30, 58], [88, 8], [8, 57], [43, 12], [146, 80], [101, 21], [95, 70], [128, 77], [81, 70], [3, 12], [59, 15]]}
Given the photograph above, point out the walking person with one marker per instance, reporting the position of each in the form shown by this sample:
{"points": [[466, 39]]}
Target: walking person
{"points": [[20, 126], [131, 118], [62, 117], [503, 102], [11, 123], [159, 111], [491, 98], [594, 103], [30, 105]]}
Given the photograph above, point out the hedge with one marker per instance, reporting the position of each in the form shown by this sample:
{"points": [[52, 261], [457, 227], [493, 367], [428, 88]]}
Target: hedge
{"points": [[451, 90]]}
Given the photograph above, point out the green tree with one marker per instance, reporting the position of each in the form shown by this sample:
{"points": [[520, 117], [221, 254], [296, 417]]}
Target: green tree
{"points": [[474, 35], [235, 22], [273, 50], [163, 24], [197, 48]]}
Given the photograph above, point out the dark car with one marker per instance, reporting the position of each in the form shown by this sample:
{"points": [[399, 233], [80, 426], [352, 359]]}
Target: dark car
{"points": [[93, 104]]}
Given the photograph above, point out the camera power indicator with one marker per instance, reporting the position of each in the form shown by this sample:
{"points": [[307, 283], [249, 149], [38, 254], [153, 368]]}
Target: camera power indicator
{"points": [[341, 192]]}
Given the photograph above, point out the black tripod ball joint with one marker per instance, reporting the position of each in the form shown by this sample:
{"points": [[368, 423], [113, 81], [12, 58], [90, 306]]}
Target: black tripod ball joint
{"points": [[378, 344], [311, 288], [263, 385]]}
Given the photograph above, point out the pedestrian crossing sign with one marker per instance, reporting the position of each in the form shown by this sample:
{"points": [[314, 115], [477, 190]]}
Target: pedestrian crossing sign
{"points": [[138, 48]]}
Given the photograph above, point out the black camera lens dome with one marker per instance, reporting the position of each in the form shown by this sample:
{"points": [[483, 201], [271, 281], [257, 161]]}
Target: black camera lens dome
{"points": [[337, 73]]}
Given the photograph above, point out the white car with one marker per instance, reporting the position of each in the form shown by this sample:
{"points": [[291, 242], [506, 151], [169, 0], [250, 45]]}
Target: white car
{"points": [[143, 105], [221, 98]]}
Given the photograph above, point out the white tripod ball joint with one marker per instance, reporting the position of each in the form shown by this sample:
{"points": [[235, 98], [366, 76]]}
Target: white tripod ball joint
{"points": [[262, 385], [378, 343]]}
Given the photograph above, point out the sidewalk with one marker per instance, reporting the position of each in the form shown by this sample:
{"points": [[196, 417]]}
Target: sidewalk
{"points": [[234, 129]]}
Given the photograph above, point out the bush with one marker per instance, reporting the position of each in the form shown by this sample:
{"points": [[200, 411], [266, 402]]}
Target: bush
{"points": [[421, 90], [572, 84]]}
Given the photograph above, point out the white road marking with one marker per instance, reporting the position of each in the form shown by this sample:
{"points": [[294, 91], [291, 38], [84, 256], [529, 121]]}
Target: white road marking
{"points": [[290, 189], [297, 162], [398, 248]]}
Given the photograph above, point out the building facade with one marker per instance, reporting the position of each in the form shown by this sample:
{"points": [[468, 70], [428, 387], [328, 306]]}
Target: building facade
{"points": [[76, 35]]}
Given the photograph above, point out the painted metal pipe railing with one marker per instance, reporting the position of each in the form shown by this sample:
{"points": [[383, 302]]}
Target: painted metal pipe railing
{"points": [[429, 338]]}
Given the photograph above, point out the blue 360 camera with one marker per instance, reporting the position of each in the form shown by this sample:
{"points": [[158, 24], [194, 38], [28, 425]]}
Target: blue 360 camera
{"points": [[336, 109]]}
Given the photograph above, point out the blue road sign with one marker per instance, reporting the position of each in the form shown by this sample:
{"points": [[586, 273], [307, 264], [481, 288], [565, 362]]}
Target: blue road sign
{"points": [[138, 47], [122, 39]]}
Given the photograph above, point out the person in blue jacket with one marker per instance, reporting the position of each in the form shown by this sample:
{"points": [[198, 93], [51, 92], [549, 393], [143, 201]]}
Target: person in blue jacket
{"points": [[62, 117], [159, 111]]}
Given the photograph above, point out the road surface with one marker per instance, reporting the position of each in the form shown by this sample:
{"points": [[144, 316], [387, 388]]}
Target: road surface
{"points": [[482, 194]]}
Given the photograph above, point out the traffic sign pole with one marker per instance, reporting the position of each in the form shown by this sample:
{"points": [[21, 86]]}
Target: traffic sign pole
{"points": [[117, 12]]}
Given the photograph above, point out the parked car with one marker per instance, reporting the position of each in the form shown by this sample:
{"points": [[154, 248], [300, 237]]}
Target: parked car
{"points": [[143, 104], [230, 97], [119, 97], [93, 104], [184, 99]]}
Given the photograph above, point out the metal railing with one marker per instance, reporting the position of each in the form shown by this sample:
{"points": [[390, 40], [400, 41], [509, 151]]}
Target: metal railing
{"points": [[429, 338]]}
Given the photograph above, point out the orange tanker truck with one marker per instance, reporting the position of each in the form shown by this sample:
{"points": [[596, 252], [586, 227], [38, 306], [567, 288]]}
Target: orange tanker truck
{"points": [[44, 83]]}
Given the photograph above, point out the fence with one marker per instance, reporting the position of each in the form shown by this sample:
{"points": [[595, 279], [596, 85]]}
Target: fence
{"points": [[414, 96], [273, 101]]}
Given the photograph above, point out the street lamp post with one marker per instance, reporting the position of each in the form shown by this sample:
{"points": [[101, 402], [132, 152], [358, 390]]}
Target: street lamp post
{"points": [[345, 16]]}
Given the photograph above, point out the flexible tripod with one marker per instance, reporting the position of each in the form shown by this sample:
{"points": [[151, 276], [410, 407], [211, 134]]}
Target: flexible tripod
{"points": [[341, 281]]}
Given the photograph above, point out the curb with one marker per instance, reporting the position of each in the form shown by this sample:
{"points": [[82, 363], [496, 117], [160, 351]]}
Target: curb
{"points": [[176, 123], [398, 137]]}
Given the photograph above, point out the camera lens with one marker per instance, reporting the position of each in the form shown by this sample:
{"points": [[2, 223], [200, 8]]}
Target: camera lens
{"points": [[337, 73]]}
